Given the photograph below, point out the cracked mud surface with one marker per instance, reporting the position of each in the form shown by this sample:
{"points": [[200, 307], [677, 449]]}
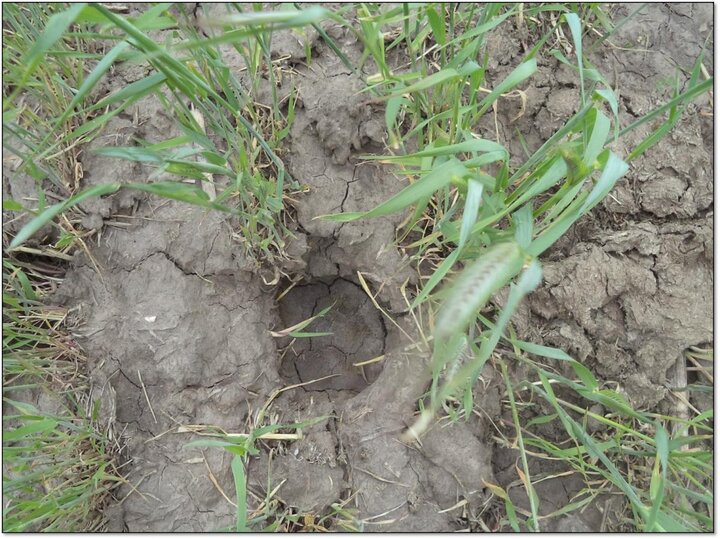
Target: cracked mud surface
{"points": [[630, 287], [177, 322], [167, 321], [357, 335]]}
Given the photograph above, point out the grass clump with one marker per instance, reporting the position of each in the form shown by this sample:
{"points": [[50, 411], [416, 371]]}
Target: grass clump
{"points": [[269, 513], [226, 157], [471, 205], [660, 463], [59, 467], [40, 77]]}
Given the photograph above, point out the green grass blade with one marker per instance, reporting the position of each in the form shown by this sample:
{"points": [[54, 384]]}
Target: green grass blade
{"points": [[131, 153], [88, 84], [549, 178], [437, 23], [142, 86], [392, 109], [55, 28], [49, 213], [284, 20], [297, 17], [614, 169], [544, 351], [608, 95], [470, 213], [527, 483], [438, 178], [238, 470], [436, 277], [659, 476], [598, 136], [235, 448], [578, 433], [469, 146], [687, 96], [482, 28], [576, 30], [440, 77], [656, 135], [43, 426], [519, 74], [183, 192], [523, 220], [617, 27]]}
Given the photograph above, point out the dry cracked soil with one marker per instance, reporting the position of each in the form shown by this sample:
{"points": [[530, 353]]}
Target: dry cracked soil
{"points": [[176, 321]]}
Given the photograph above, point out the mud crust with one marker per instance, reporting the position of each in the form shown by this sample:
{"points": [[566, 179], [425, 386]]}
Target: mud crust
{"points": [[177, 322]]}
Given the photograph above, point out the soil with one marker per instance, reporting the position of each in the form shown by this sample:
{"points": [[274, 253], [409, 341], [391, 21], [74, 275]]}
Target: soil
{"points": [[176, 319]]}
